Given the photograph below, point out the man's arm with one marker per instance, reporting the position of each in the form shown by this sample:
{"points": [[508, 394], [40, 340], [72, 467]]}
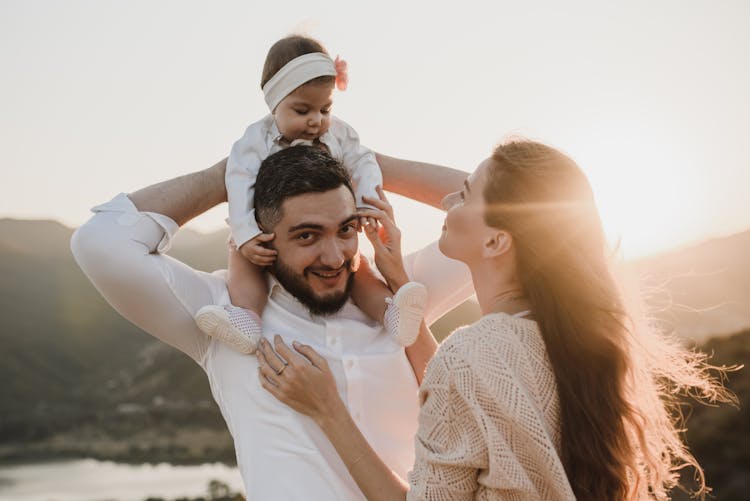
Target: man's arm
{"points": [[423, 182], [184, 197], [119, 250]]}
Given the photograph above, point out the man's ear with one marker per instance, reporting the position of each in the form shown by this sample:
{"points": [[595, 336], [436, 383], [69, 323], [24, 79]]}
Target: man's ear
{"points": [[497, 243]]}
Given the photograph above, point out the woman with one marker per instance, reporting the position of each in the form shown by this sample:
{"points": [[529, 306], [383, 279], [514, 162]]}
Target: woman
{"points": [[557, 392]]}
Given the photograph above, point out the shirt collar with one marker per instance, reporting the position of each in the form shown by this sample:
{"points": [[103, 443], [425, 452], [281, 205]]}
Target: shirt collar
{"points": [[275, 135], [273, 131]]}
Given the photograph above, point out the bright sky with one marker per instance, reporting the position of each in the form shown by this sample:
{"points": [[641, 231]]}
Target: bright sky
{"points": [[650, 97]]}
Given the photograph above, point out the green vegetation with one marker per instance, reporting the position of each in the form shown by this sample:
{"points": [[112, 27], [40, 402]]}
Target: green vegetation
{"points": [[217, 491], [719, 437], [80, 381]]}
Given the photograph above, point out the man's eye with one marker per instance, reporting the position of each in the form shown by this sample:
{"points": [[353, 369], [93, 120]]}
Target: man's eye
{"points": [[349, 228], [304, 236]]}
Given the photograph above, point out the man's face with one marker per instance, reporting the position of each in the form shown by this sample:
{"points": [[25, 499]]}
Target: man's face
{"points": [[316, 240]]}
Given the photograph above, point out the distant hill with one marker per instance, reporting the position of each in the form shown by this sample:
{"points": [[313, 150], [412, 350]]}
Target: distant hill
{"points": [[702, 290], [34, 238], [66, 355], [697, 292]]}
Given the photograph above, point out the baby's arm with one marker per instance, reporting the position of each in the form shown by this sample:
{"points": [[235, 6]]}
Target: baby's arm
{"points": [[360, 162], [242, 169], [247, 286]]}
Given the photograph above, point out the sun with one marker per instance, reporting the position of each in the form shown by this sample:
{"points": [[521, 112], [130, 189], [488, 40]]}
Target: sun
{"points": [[648, 195]]}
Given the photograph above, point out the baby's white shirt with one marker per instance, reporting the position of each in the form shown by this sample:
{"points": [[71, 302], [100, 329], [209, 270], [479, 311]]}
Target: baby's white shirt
{"points": [[262, 139]]}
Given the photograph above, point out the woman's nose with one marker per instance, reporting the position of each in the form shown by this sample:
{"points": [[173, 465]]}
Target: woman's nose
{"points": [[449, 200]]}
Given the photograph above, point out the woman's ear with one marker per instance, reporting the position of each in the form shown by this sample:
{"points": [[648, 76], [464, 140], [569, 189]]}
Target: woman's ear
{"points": [[497, 244]]}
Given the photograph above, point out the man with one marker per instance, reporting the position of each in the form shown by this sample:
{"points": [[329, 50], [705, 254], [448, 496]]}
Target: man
{"points": [[281, 454]]}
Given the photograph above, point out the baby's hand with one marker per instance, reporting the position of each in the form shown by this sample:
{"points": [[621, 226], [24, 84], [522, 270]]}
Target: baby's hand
{"points": [[255, 251]]}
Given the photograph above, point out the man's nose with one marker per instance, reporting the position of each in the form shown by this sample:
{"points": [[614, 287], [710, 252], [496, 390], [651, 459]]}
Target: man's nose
{"points": [[332, 254]]}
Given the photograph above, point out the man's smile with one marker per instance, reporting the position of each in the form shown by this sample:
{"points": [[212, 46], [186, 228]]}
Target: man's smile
{"points": [[329, 278]]}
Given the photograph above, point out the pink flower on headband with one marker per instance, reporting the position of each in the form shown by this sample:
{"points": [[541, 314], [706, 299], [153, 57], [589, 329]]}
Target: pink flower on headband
{"points": [[342, 75]]}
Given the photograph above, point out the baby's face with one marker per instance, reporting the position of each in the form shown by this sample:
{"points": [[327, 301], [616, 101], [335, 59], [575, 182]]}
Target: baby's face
{"points": [[306, 112]]}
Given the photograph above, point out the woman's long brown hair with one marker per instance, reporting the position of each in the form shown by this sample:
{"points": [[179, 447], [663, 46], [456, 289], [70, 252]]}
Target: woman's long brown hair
{"points": [[616, 377]]}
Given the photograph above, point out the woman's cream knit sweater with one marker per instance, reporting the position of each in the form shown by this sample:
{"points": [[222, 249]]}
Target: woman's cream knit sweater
{"points": [[489, 423]]}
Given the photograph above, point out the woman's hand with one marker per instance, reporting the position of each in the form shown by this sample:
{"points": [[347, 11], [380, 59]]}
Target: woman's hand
{"points": [[301, 379], [386, 240]]}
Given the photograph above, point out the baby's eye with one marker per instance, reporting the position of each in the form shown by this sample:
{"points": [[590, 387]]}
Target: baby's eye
{"points": [[326, 112], [301, 112], [461, 195]]}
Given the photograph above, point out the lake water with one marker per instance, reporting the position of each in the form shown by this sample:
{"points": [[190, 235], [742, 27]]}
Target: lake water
{"points": [[91, 480]]}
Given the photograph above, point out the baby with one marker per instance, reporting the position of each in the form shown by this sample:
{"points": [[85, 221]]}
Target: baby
{"points": [[298, 82]]}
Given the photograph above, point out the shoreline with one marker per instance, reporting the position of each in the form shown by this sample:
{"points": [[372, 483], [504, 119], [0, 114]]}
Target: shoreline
{"points": [[71, 480], [178, 447]]}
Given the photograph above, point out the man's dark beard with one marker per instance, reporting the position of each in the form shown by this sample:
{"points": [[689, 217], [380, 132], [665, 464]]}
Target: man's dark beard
{"points": [[298, 287]]}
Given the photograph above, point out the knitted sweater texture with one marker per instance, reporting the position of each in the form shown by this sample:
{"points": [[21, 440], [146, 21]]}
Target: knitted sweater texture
{"points": [[489, 420]]}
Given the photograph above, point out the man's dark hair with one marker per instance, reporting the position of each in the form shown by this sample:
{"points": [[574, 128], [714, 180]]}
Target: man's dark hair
{"points": [[294, 171]]}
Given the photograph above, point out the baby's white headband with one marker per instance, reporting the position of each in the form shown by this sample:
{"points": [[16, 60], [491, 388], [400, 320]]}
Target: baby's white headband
{"points": [[296, 72]]}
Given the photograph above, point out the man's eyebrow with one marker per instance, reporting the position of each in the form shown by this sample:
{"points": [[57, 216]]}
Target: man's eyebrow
{"points": [[348, 220], [319, 227], [305, 226]]}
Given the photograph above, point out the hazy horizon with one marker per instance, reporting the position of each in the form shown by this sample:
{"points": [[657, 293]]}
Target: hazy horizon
{"points": [[649, 98], [208, 230]]}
